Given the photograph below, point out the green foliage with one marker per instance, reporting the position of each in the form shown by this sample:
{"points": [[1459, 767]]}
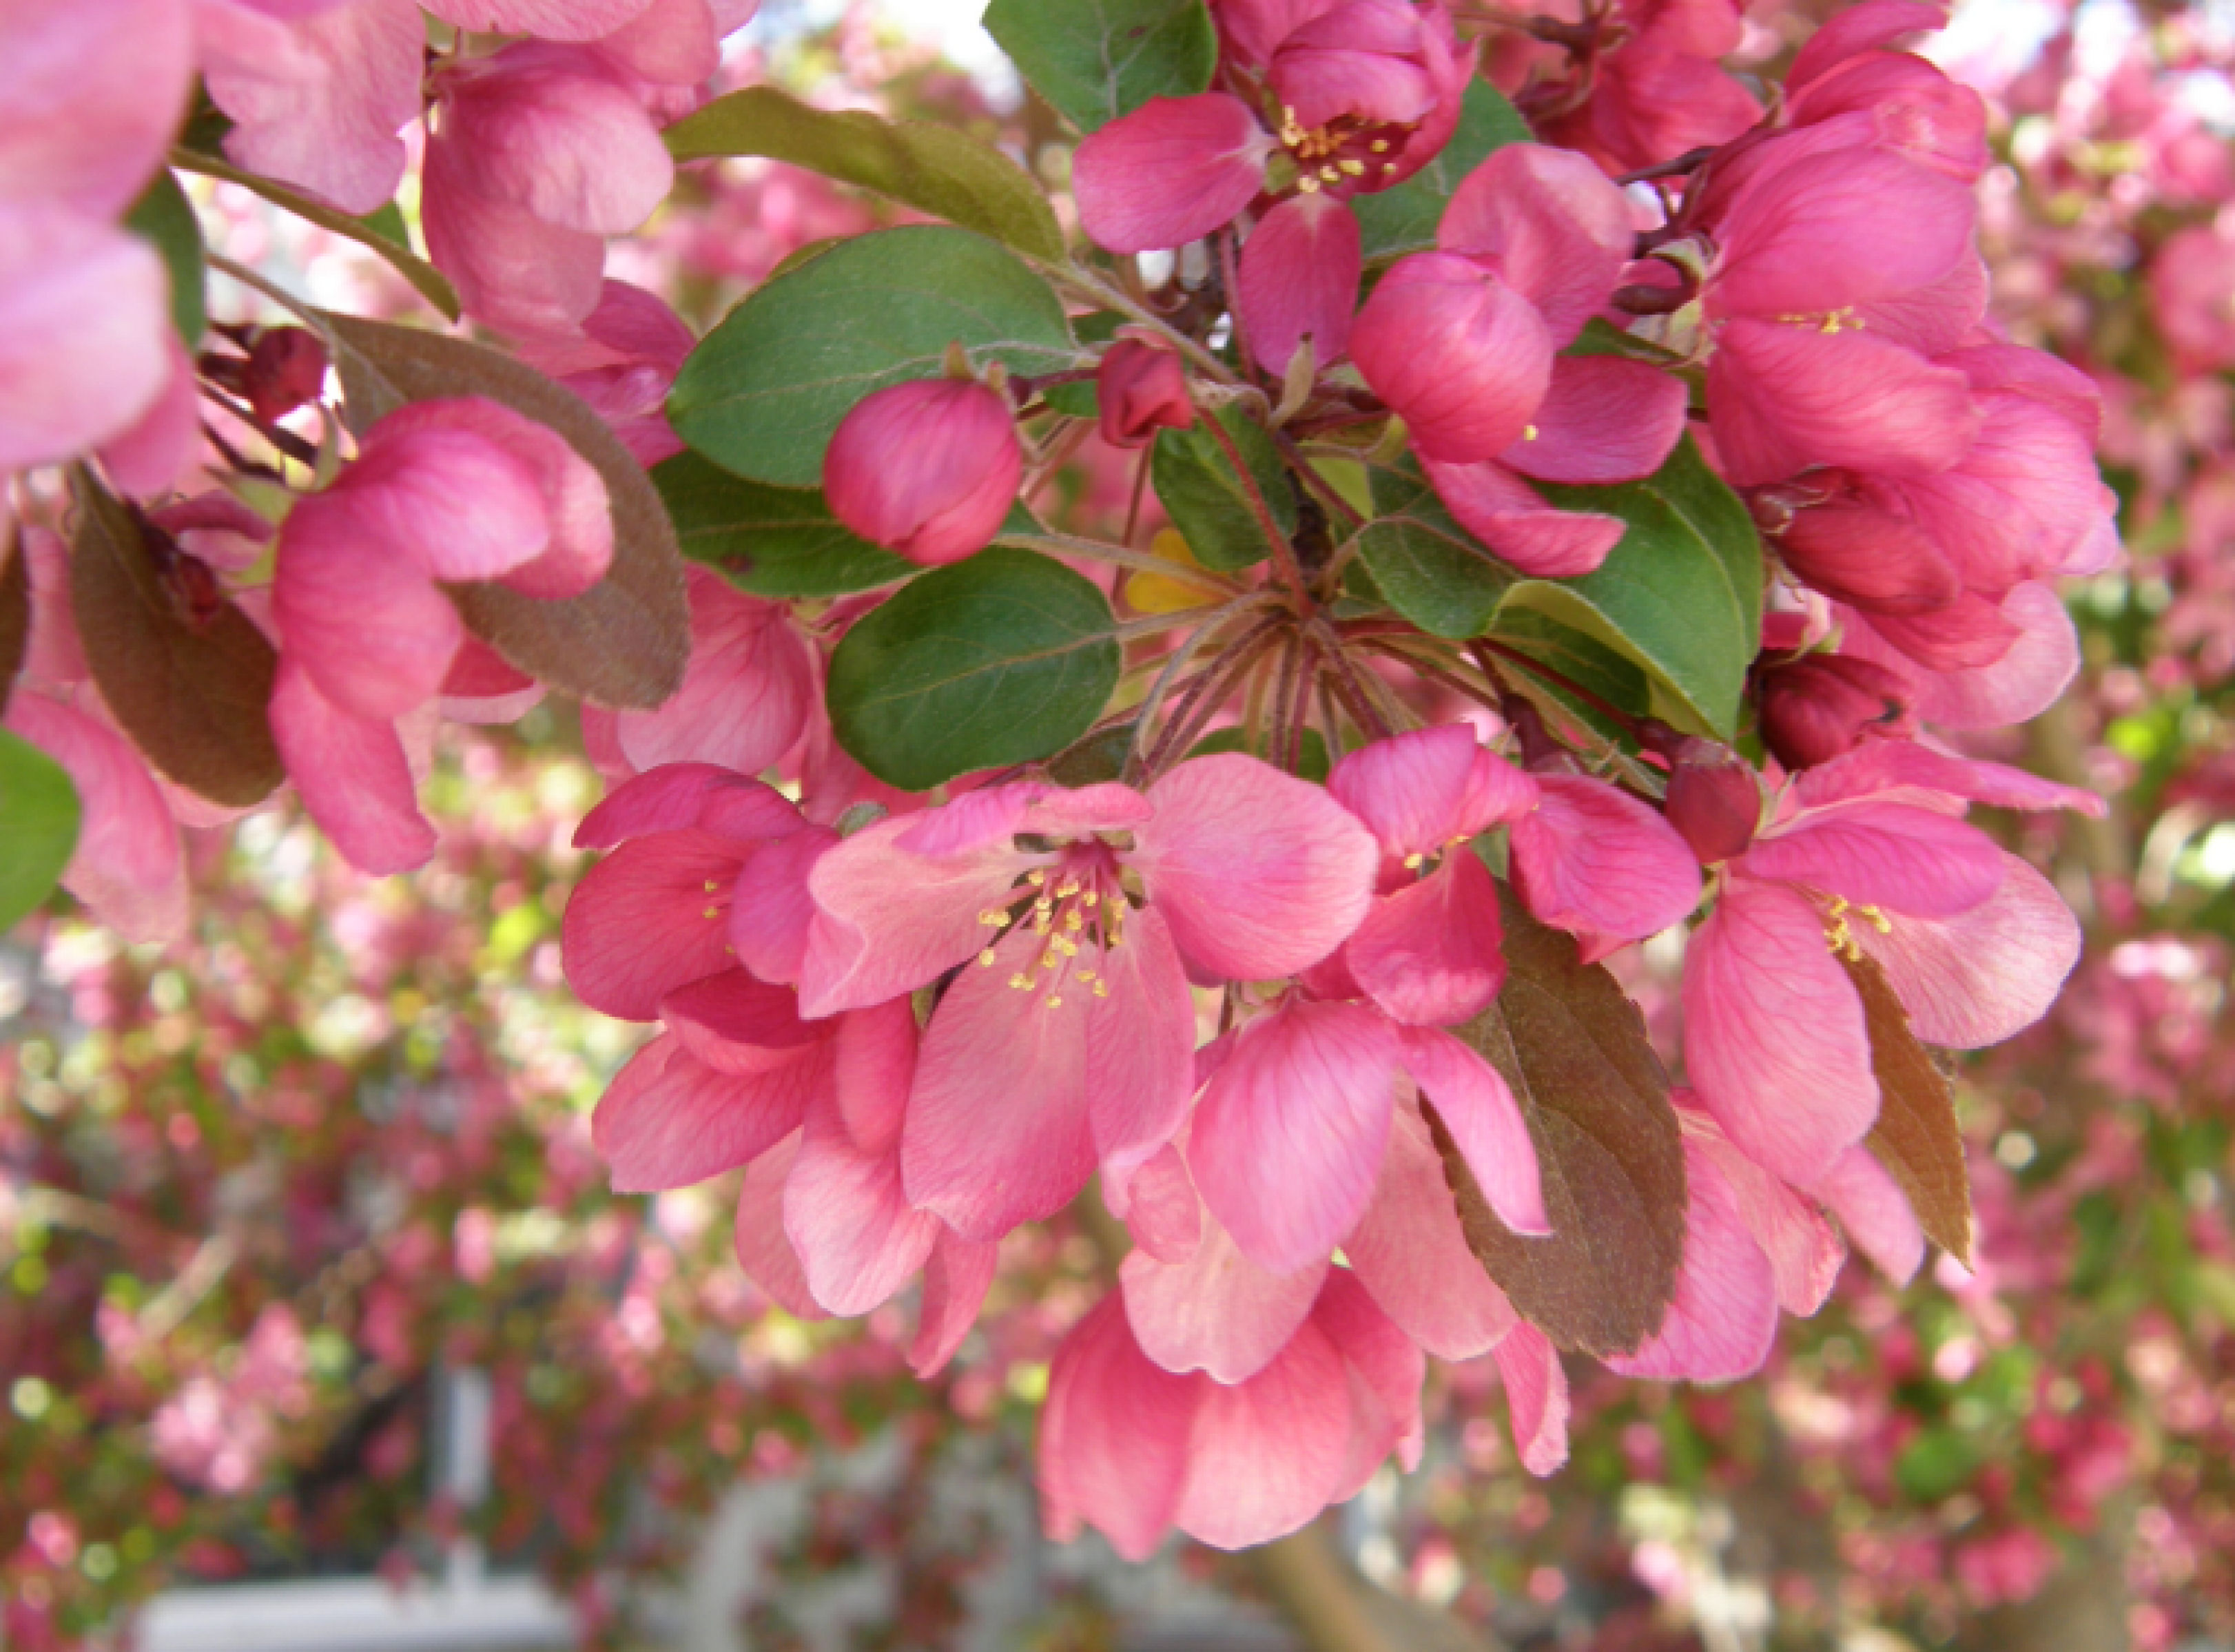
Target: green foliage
{"points": [[39, 819], [770, 541], [1206, 500], [764, 390], [1095, 60], [1003, 658], [164, 217], [1404, 219], [934, 168]]}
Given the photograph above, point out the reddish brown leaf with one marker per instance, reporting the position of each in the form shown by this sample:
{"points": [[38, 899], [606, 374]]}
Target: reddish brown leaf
{"points": [[14, 607], [625, 640], [1573, 1047], [191, 689], [1916, 1137]]}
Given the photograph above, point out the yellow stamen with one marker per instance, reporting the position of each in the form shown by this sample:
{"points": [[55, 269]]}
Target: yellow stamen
{"points": [[1308, 185], [986, 959], [1036, 877], [1412, 862], [1053, 1002]]}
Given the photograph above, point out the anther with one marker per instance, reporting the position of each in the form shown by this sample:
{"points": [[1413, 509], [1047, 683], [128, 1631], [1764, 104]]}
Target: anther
{"points": [[1308, 185], [1354, 166], [1053, 1002], [1092, 897], [1412, 862], [1529, 433], [986, 959], [712, 886], [1036, 877], [713, 912], [1330, 174], [1379, 146], [1101, 989]]}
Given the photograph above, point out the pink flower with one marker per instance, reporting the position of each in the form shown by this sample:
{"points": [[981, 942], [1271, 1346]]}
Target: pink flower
{"points": [[537, 154], [622, 364], [1133, 1450], [1142, 389], [90, 95], [1462, 343], [928, 469], [1661, 90], [1357, 96], [446, 490], [2192, 292], [1820, 706], [1866, 856], [1070, 1039]]}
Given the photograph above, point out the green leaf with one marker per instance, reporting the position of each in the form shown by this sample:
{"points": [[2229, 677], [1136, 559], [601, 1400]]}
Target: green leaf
{"points": [[1206, 501], [625, 640], [164, 217], [771, 541], [1311, 754], [1003, 658], [1573, 1047], [763, 392], [1095, 60], [38, 827], [1404, 219], [934, 168], [190, 688], [1579, 660], [1428, 568], [1681, 593], [430, 282]]}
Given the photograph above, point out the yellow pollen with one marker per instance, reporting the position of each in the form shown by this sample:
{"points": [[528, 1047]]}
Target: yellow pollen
{"points": [[1355, 167], [1053, 1002], [1529, 433], [1331, 174], [1091, 897], [1388, 166], [1043, 904], [1879, 921], [1074, 921], [986, 959], [1049, 958], [1021, 983], [712, 886], [1412, 862], [1101, 989], [1068, 890], [993, 919], [713, 912], [1036, 877], [1085, 974], [1308, 185], [1040, 921], [1379, 146]]}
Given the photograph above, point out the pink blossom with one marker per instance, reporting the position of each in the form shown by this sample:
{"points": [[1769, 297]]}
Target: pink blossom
{"points": [[1068, 1040], [1866, 856], [1822, 705], [622, 362], [1134, 1451], [1662, 90], [928, 469], [1142, 389], [445, 490]]}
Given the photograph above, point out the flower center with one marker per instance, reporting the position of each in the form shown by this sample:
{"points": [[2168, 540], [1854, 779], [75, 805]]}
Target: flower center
{"points": [[1347, 152], [1839, 935], [1082, 903]]}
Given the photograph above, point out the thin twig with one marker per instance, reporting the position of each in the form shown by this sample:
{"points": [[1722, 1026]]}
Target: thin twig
{"points": [[1120, 556], [1283, 553]]}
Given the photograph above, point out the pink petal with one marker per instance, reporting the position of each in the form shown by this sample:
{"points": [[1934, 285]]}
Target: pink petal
{"points": [[1386, 1368], [1299, 279], [318, 101], [1170, 173], [1724, 1317], [1883, 766], [512, 269], [1593, 858], [1267, 1456], [1603, 419], [1424, 790], [1785, 397], [1509, 516], [668, 1120], [740, 1026], [1805, 1252], [547, 131], [352, 775], [1411, 1253], [93, 90], [677, 795], [1872, 1207], [1773, 1033], [1974, 979], [1485, 1121], [1429, 953], [764, 1250], [367, 623], [1288, 1135], [998, 1132], [1140, 1043], [126, 865], [857, 1238], [1460, 356], [876, 1051], [888, 922], [1911, 861], [771, 913], [1114, 1439], [2021, 685], [649, 918], [547, 19], [1258, 872], [145, 461], [955, 1280], [1846, 227], [745, 695], [676, 43], [1161, 1208], [85, 334], [1872, 26], [1216, 1311], [1558, 229], [1536, 1390]]}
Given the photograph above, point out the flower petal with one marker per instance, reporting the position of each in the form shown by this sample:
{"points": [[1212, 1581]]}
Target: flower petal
{"points": [[1976, 979], [668, 1120], [1485, 1121], [1595, 859], [1266, 1456], [1429, 953], [1604, 419], [1170, 173], [1299, 279], [649, 918], [955, 1280], [1723, 1318], [1140, 1043], [1216, 1311], [1114, 1436], [1411, 1253], [1420, 790], [352, 775], [1536, 1390], [1909, 861]]}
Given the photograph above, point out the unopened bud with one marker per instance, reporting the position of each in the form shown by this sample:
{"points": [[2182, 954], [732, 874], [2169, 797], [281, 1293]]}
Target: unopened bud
{"points": [[286, 369], [1823, 706], [928, 469], [1714, 801], [1143, 390]]}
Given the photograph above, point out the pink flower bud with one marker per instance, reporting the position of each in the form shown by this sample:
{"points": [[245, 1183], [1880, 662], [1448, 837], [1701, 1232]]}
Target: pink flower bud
{"points": [[1815, 709], [1463, 359], [1143, 390], [927, 469], [286, 369], [1714, 801]]}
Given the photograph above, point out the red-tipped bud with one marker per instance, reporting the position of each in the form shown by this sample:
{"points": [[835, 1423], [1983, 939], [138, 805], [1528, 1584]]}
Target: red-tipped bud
{"points": [[286, 369], [927, 469], [1715, 801], [1823, 706], [1143, 390]]}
